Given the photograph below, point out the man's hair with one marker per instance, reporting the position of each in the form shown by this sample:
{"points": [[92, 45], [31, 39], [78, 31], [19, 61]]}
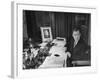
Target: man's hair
{"points": [[77, 28]]}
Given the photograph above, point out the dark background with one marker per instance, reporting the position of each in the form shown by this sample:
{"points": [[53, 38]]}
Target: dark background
{"points": [[61, 24]]}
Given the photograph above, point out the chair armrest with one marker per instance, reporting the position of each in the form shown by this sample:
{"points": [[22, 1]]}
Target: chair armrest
{"points": [[83, 62]]}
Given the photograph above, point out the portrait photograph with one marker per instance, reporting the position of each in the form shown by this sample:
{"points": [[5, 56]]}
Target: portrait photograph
{"points": [[74, 27], [53, 38], [46, 33]]}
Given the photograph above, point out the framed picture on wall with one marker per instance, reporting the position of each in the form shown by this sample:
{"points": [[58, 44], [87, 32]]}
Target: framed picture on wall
{"points": [[33, 24]]}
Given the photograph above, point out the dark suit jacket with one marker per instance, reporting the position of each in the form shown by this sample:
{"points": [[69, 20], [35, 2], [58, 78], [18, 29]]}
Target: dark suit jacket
{"points": [[79, 52]]}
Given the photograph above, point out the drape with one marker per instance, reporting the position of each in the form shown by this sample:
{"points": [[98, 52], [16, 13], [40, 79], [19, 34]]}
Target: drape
{"points": [[61, 23]]}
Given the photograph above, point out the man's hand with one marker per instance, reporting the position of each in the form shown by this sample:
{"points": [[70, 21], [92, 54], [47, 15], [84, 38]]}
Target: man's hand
{"points": [[68, 54]]}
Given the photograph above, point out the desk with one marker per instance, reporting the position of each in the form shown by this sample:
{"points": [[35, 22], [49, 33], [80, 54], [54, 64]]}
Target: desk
{"points": [[49, 55], [56, 59]]}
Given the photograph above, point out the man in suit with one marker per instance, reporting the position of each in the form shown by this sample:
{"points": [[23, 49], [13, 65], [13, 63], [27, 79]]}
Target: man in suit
{"points": [[78, 50]]}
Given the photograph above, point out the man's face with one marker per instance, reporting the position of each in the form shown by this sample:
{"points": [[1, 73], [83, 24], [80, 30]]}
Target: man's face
{"points": [[76, 35]]}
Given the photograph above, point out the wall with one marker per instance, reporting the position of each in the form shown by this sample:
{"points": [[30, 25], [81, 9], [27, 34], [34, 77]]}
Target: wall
{"points": [[5, 39]]}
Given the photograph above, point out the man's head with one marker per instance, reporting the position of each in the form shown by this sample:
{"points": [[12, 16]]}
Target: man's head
{"points": [[76, 33]]}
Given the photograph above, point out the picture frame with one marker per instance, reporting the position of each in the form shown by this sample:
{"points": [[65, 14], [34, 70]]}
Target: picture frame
{"points": [[46, 34], [17, 40]]}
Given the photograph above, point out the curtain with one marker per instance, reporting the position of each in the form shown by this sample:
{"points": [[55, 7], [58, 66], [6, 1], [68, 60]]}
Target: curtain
{"points": [[32, 29], [25, 35], [63, 24]]}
